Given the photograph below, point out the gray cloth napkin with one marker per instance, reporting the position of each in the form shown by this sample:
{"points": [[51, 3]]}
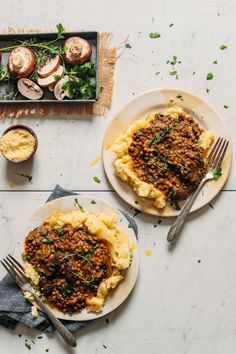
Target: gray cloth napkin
{"points": [[14, 308]]}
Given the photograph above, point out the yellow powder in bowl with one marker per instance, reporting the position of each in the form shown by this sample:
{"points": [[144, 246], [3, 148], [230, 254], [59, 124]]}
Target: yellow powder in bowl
{"points": [[17, 145]]}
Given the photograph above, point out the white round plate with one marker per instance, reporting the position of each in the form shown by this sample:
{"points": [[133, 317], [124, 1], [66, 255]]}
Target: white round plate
{"points": [[158, 101], [119, 294]]}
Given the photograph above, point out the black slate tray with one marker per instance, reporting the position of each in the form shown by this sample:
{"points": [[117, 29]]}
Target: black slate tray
{"points": [[48, 97]]}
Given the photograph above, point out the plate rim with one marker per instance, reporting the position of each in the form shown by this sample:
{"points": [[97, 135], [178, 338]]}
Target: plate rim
{"points": [[159, 90]]}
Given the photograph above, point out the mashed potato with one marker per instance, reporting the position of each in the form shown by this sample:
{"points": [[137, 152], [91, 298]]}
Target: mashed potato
{"points": [[123, 162]]}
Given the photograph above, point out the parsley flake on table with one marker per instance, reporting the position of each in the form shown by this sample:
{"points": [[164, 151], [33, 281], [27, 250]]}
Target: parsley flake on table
{"points": [[174, 60], [154, 35], [24, 175], [96, 179], [207, 90], [127, 45], [225, 106], [222, 47], [209, 76], [28, 345], [215, 62], [171, 25], [93, 202]]}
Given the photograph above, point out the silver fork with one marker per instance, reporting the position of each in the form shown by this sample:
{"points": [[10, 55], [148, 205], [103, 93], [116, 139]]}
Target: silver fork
{"points": [[16, 270], [214, 162]]}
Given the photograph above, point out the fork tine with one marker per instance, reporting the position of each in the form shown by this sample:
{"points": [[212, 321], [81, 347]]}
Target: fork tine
{"points": [[214, 151], [18, 263], [7, 269], [218, 155], [16, 268], [221, 158], [16, 276]]}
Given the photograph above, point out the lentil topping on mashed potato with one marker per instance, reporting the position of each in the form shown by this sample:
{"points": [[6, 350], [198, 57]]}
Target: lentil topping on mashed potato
{"points": [[75, 258], [163, 156]]}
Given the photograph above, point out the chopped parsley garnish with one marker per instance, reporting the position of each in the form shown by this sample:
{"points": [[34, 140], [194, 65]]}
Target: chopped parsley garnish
{"points": [[53, 225], [215, 62], [47, 350], [96, 179], [76, 203], [28, 345], [161, 135], [209, 76], [127, 45], [174, 73], [40, 337], [136, 212], [176, 205], [93, 202], [217, 173], [24, 175], [136, 202], [222, 47], [171, 191], [101, 89], [207, 90], [171, 25], [225, 106], [211, 206], [194, 72], [154, 35], [60, 230], [180, 97], [158, 223], [47, 240], [174, 60]]}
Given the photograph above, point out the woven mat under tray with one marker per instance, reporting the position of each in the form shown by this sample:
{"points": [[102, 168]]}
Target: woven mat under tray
{"points": [[107, 60]]}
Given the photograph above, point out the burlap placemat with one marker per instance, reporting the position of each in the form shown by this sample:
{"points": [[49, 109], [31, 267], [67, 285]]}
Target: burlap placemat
{"points": [[107, 60]]}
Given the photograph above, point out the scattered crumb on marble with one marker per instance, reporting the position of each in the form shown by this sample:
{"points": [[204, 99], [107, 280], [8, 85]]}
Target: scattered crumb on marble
{"points": [[95, 161], [148, 252]]}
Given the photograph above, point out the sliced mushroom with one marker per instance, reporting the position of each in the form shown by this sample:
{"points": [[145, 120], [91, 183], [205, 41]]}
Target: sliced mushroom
{"points": [[51, 87], [78, 50], [29, 89], [21, 62], [46, 81], [59, 92], [50, 66]]}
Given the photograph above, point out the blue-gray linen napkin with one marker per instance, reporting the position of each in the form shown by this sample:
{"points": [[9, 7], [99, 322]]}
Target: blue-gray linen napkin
{"points": [[14, 308]]}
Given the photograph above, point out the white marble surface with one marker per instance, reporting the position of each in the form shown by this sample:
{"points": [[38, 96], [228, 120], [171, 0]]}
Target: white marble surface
{"points": [[179, 305]]}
